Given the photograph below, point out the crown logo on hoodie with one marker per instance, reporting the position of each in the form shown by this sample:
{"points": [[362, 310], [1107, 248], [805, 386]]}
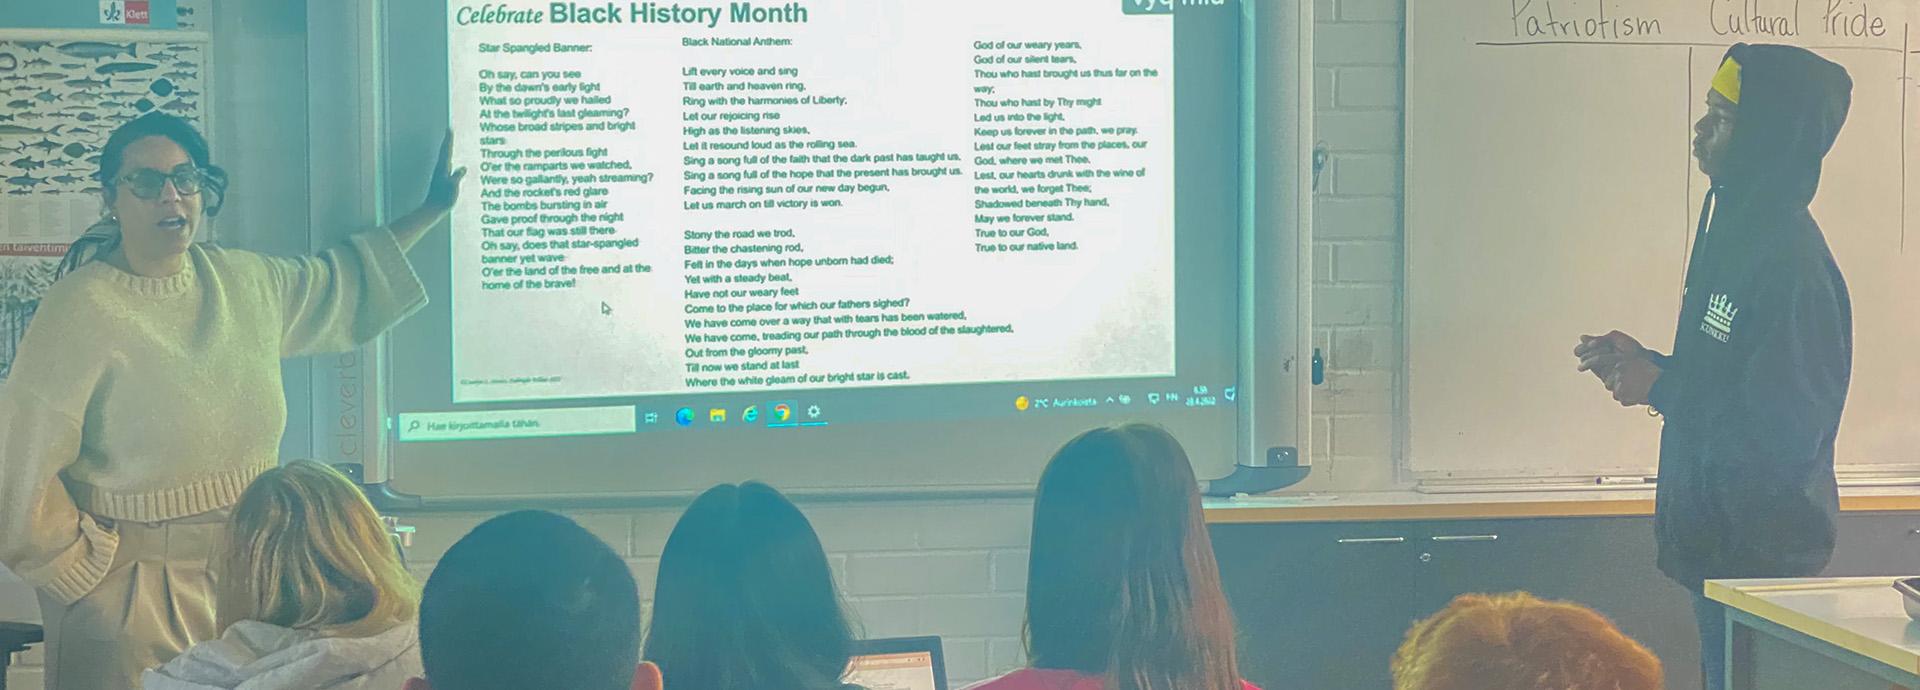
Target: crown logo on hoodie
{"points": [[1719, 319]]}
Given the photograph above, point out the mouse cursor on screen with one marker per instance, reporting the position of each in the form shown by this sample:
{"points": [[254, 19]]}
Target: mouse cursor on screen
{"points": [[605, 310]]}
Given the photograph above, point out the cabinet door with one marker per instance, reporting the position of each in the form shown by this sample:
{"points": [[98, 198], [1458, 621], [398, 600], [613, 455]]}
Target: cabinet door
{"points": [[1877, 544], [1319, 606], [1606, 564], [1323, 606]]}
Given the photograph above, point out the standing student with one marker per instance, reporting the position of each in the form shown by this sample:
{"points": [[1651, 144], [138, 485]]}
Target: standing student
{"points": [[531, 599], [1122, 589], [745, 598], [311, 594], [146, 395], [1753, 392]]}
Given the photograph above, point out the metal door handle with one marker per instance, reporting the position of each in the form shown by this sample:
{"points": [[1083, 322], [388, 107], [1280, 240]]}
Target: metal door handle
{"points": [[1374, 540], [1468, 537]]}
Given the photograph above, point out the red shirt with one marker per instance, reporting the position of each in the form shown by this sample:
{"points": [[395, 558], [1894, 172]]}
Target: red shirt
{"points": [[1054, 679]]}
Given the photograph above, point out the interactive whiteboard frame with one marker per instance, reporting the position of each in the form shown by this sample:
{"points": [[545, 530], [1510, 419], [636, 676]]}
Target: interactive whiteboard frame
{"points": [[351, 151]]}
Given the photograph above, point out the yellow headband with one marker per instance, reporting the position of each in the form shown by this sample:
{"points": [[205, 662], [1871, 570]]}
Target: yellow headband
{"points": [[1727, 80]]}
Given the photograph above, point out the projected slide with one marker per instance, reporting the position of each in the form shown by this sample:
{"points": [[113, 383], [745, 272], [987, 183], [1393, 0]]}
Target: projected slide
{"points": [[672, 198]]}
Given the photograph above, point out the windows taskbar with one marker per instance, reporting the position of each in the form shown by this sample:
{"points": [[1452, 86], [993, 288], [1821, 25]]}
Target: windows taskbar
{"points": [[797, 414]]}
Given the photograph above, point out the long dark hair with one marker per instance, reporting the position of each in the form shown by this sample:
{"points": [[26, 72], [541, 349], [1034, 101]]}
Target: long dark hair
{"points": [[745, 598], [104, 236], [1122, 581]]}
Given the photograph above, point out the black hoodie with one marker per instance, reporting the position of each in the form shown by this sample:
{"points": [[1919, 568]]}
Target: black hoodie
{"points": [[1762, 356]]}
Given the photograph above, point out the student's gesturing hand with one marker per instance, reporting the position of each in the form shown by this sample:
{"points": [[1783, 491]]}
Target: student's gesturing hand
{"points": [[1631, 380], [1601, 353]]}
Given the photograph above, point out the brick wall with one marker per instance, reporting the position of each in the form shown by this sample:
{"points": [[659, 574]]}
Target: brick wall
{"points": [[1358, 58]]}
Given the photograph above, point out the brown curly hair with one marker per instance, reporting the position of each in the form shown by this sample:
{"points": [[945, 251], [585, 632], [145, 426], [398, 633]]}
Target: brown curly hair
{"points": [[1518, 642]]}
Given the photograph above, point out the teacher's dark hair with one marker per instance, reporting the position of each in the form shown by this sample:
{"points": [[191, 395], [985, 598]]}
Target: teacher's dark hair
{"points": [[745, 598], [104, 236]]}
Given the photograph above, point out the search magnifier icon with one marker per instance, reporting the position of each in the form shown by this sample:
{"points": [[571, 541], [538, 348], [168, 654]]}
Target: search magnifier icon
{"points": [[413, 426]]}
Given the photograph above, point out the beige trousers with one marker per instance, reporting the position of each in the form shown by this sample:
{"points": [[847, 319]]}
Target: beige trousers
{"points": [[155, 601]]}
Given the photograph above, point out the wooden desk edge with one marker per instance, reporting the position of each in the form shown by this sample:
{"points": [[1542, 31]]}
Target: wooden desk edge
{"points": [[1466, 510], [1900, 659]]}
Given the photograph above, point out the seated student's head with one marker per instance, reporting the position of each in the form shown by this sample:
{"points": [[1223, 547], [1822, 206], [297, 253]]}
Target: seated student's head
{"points": [[305, 550], [745, 598], [1122, 581], [531, 600], [1517, 642]]}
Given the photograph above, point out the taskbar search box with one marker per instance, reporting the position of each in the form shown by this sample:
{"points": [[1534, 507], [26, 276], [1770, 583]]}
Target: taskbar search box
{"points": [[503, 424]]}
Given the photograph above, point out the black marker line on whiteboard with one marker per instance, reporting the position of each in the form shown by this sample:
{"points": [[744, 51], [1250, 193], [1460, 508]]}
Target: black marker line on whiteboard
{"points": [[1670, 44], [1686, 206]]}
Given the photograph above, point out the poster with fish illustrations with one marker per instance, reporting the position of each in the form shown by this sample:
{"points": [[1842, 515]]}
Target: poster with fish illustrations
{"points": [[59, 100]]}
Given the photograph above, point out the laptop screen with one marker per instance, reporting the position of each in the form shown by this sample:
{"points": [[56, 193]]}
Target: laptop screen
{"points": [[907, 663]]}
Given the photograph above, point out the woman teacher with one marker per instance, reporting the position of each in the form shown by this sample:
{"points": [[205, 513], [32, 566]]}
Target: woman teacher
{"points": [[146, 395]]}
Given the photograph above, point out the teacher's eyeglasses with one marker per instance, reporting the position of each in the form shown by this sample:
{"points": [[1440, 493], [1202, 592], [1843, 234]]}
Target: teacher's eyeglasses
{"points": [[147, 183]]}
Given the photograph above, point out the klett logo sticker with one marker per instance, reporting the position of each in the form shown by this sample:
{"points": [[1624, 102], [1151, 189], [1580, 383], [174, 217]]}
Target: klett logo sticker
{"points": [[126, 12]]}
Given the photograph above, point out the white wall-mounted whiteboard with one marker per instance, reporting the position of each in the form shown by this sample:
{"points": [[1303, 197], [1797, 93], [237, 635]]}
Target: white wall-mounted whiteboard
{"points": [[1551, 192]]}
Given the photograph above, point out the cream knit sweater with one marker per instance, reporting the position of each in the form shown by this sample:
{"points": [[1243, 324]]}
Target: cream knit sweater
{"points": [[151, 399]]}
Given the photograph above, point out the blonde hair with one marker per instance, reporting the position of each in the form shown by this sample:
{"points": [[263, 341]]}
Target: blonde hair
{"points": [[1518, 642], [305, 550]]}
